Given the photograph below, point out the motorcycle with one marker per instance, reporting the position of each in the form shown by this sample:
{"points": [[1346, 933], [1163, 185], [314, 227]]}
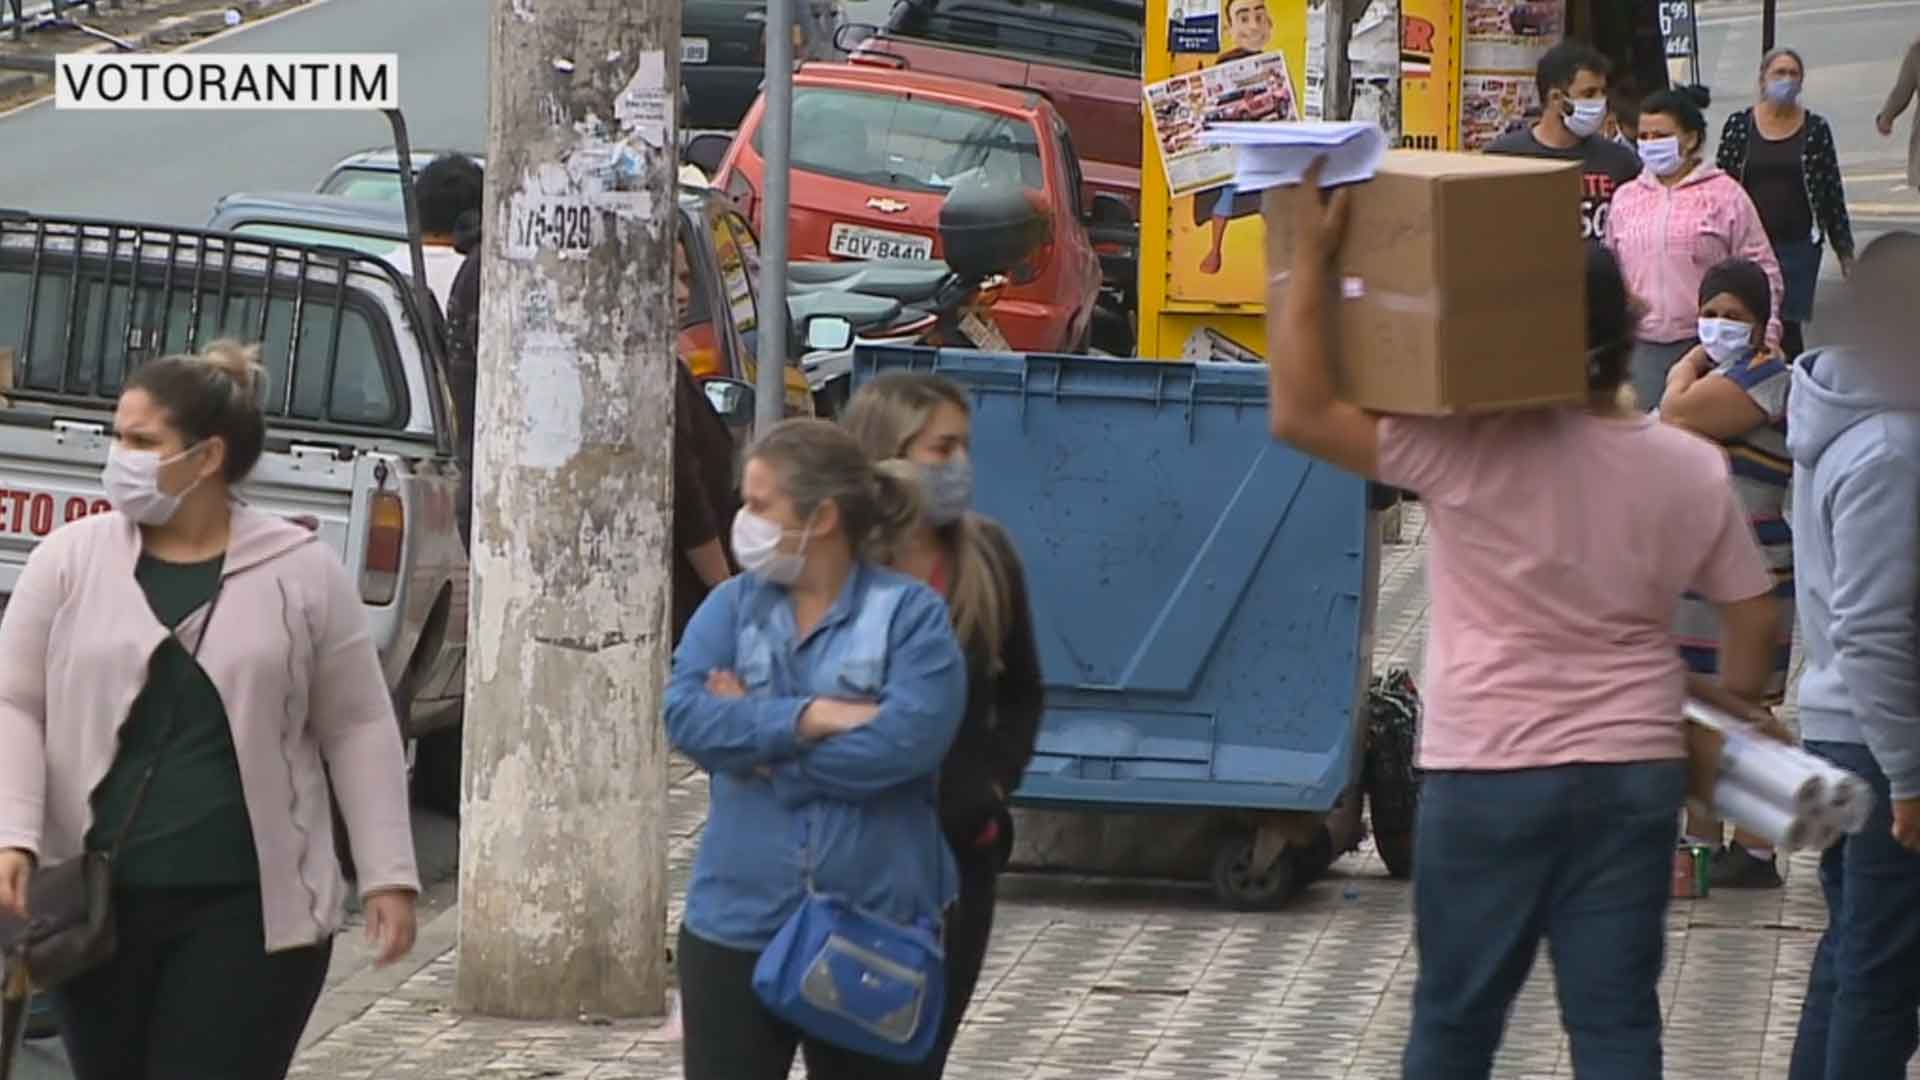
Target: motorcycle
{"points": [[988, 230]]}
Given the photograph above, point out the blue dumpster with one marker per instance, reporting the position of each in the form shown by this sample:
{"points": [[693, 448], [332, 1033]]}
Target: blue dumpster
{"points": [[1203, 595]]}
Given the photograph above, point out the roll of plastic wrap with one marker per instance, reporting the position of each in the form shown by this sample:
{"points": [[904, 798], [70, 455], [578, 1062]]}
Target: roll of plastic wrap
{"points": [[1845, 800], [1750, 811], [1792, 779], [1849, 799]]}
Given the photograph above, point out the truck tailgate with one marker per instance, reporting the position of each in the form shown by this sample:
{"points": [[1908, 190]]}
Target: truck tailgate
{"points": [[50, 475]]}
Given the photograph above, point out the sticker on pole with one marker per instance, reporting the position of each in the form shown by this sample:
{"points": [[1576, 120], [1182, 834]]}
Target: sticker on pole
{"points": [[329, 81]]}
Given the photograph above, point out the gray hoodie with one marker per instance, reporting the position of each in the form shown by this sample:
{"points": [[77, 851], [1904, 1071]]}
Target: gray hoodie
{"points": [[1853, 426]]}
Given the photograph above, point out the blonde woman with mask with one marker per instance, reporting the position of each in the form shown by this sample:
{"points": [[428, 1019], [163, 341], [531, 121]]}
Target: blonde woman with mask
{"points": [[177, 679], [925, 421]]}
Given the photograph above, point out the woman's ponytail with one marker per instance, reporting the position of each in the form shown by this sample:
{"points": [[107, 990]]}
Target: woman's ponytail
{"points": [[898, 501]]}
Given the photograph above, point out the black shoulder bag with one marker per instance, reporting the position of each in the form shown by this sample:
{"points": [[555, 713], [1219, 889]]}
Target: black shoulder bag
{"points": [[70, 928]]}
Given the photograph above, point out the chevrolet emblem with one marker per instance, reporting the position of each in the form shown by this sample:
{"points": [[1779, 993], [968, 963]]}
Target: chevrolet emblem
{"points": [[885, 205]]}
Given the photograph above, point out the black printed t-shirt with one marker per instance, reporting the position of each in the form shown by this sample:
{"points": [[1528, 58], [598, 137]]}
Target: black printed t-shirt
{"points": [[1605, 166]]}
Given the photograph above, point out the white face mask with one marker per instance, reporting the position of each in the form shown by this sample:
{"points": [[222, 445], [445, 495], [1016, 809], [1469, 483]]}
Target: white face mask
{"points": [[132, 481], [1585, 116], [1662, 155], [756, 543], [1725, 340]]}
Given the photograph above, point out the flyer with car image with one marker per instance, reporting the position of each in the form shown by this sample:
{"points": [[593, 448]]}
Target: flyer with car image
{"points": [[1252, 89]]}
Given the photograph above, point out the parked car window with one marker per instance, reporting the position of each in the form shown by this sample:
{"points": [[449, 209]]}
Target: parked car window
{"points": [[896, 142], [95, 363], [1103, 34], [698, 343], [356, 183], [735, 276], [384, 247], [1071, 161], [749, 248]]}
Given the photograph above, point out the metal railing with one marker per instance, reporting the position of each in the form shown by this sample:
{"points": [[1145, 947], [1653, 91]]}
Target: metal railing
{"points": [[101, 297]]}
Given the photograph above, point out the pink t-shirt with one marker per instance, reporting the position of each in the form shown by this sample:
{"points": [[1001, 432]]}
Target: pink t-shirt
{"points": [[1560, 545]]}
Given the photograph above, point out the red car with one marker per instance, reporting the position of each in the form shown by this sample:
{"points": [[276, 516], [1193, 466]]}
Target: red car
{"points": [[875, 150]]}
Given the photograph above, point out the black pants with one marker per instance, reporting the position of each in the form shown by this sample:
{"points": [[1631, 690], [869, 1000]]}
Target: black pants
{"points": [[969, 928], [1793, 340], [191, 993], [728, 1035]]}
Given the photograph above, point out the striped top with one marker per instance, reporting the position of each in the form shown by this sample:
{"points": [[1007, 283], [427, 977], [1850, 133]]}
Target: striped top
{"points": [[1762, 477]]}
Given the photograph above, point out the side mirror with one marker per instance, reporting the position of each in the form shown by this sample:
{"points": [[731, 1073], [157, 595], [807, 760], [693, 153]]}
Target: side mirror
{"points": [[732, 399], [829, 333], [850, 36], [1110, 209], [706, 150]]}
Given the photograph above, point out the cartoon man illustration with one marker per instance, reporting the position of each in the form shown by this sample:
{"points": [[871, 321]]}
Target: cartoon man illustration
{"points": [[1250, 27]]}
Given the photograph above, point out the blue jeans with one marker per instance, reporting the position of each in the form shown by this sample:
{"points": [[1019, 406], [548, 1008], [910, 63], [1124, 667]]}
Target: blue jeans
{"points": [[1861, 1020], [1580, 855]]}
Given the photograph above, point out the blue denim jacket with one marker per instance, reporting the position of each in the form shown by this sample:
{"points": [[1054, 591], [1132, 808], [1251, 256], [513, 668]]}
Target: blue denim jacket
{"points": [[860, 807]]}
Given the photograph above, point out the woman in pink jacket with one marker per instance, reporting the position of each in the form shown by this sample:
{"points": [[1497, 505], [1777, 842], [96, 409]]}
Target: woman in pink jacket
{"points": [[173, 677], [1679, 218]]}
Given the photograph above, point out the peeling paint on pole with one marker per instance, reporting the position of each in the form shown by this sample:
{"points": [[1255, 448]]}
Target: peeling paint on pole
{"points": [[563, 845]]}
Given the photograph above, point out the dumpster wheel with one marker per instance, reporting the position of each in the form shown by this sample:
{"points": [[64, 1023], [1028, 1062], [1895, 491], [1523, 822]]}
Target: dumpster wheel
{"points": [[1239, 886]]}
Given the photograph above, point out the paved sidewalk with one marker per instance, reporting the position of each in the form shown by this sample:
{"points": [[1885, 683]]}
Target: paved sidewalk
{"points": [[1097, 980]]}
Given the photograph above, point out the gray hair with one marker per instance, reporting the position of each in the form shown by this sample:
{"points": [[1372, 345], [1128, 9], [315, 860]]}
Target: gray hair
{"points": [[1775, 54]]}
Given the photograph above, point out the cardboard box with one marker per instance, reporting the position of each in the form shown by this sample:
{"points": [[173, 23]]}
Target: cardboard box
{"points": [[1462, 284]]}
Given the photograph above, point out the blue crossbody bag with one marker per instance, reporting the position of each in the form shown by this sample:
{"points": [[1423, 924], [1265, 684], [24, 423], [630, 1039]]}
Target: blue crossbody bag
{"points": [[844, 975], [858, 980]]}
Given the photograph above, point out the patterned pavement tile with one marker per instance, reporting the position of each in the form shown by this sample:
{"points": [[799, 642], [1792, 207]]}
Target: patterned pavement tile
{"points": [[1100, 980]]}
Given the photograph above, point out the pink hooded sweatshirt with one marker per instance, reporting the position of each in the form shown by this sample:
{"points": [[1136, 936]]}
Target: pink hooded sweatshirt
{"points": [[289, 652], [1667, 238]]}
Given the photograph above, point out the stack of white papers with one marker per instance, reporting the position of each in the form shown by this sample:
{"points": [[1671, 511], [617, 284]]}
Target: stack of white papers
{"points": [[1270, 154], [1794, 799]]}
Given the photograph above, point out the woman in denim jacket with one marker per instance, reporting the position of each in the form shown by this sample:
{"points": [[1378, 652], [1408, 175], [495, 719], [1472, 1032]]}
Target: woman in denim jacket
{"points": [[820, 691]]}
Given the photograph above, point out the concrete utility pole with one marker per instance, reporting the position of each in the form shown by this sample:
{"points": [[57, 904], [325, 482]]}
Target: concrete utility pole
{"points": [[563, 844]]}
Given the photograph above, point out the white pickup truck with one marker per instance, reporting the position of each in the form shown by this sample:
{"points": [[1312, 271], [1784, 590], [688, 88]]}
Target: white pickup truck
{"points": [[361, 433]]}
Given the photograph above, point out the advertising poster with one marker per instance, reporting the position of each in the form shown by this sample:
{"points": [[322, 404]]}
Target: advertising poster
{"points": [[1681, 31], [1193, 26], [1250, 90], [1427, 74], [1216, 244], [1502, 43], [1492, 105], [1510, 35]]}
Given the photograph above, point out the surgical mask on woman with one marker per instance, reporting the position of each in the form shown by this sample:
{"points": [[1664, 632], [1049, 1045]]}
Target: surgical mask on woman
{"points": [[1725, 340], [756, 543], [132, 482], [1782, 91], [1584, 117], [949, 489], [1662, 155]]}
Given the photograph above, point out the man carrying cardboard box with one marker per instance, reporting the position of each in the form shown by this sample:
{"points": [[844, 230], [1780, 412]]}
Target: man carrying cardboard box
{"points": [[1554, 750]]}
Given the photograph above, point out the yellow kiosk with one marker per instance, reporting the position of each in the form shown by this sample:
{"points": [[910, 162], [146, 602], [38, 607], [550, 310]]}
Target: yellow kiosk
{"points": [[1443, 75]]}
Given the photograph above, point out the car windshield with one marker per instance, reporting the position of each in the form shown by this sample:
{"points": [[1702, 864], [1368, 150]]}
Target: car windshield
{"points": [[1103, 34], [392, 250], [357, 183], [894, 141]]}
